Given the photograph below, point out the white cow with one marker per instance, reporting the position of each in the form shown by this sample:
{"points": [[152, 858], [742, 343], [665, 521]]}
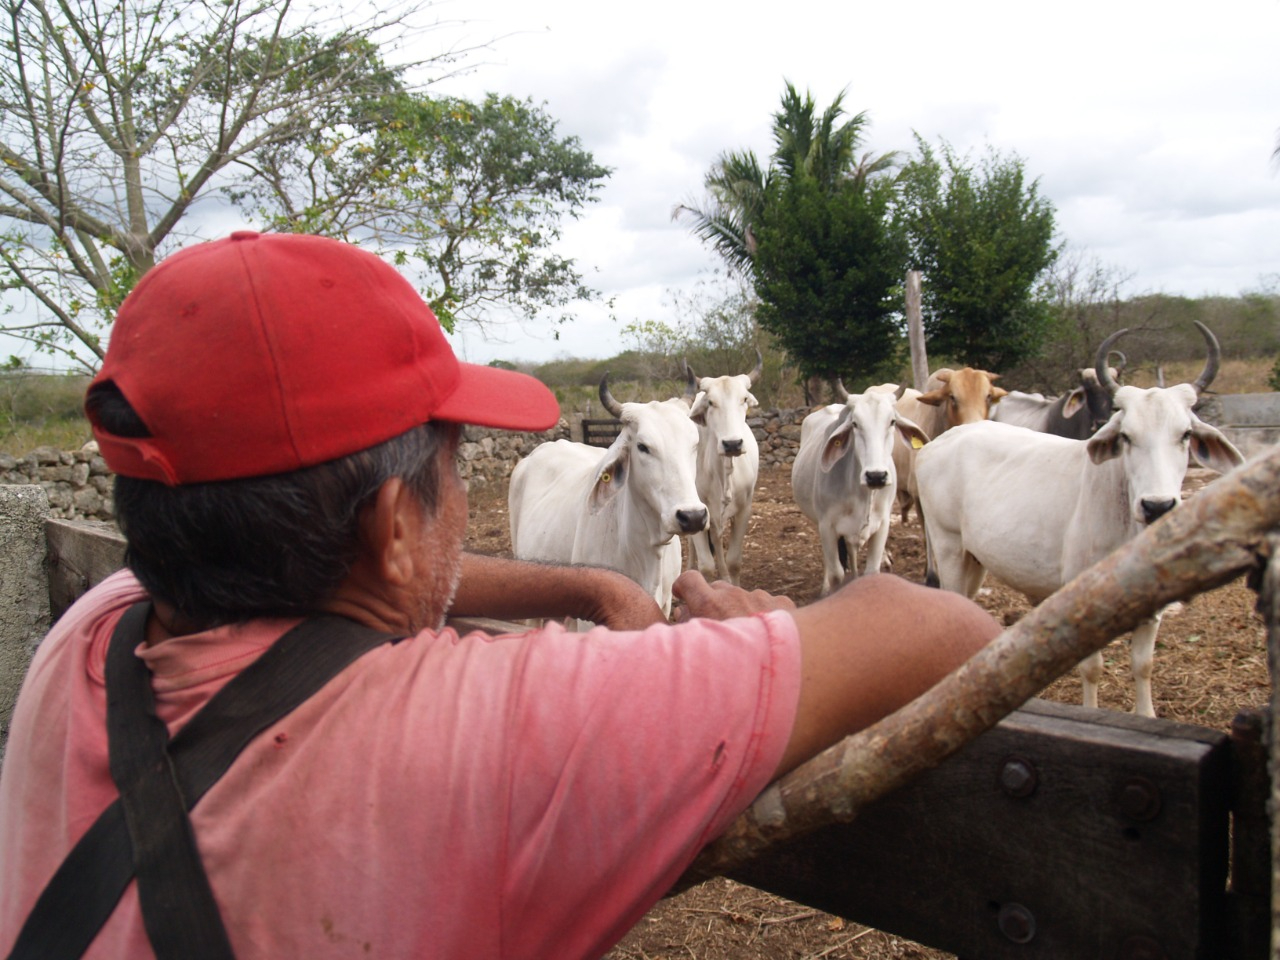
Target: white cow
{"points": [[620, 508], [728, 466], [1037, 509], [844, 480]]}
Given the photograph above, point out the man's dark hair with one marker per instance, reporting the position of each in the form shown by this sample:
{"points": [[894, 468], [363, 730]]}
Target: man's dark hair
{"points": [[234, 550]]}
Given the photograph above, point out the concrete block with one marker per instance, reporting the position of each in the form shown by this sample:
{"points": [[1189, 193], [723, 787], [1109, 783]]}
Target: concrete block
{"points": [[24, 590]]}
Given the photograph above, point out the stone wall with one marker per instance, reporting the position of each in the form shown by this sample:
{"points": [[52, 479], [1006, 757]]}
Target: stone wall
{"points": [[488, 456], [778, 433], [76, 482]]}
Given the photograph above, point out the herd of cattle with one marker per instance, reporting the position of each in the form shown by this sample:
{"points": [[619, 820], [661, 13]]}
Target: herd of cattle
{"points": [[1031, 488]]}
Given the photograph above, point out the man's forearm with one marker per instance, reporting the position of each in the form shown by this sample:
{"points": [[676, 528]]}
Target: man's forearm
{"points": [[518, 589]]}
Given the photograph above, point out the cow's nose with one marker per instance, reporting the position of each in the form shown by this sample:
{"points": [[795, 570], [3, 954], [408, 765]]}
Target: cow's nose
{"points": [[691, 521], [877, 478], [1153, 509], [732, 448]]}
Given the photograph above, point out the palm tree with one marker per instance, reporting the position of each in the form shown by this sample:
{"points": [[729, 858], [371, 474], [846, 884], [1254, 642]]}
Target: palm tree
{"points": [[805, 146], [737, 188]]}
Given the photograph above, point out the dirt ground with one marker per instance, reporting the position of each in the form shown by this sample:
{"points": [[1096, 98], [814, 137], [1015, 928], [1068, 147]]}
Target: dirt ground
{"points": [[1210, 663]]}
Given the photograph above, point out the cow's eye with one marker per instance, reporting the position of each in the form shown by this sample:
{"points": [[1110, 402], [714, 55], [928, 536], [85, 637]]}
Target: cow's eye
{"points": [[1186, 437], [1126, 439], [642, 447]]}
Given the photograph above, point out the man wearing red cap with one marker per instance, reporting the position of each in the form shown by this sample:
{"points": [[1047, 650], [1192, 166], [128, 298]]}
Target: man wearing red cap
{"points": [[259, 741]]}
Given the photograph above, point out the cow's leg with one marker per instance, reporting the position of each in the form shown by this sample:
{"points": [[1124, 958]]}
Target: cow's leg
{"points": [[875, 548], [733, 550], [701, 553], [1090, 677], [717, 547], [1142, 650], [946, 563], [832, 568]]}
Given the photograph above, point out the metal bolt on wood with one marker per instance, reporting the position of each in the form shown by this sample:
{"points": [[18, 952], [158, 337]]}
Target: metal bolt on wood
{"points": [[1139, 799], [1017, 923], [1018, 778]]}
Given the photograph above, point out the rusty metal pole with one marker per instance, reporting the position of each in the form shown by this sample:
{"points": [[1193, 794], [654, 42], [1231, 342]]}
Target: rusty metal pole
{"points": [[1221, 533]]}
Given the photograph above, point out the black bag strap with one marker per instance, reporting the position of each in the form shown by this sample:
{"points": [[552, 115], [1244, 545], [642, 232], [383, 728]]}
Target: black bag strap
{"points": [[178, 909], [87, 886]]}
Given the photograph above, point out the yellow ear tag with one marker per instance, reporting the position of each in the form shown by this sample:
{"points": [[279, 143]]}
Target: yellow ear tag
{"points": [[837, 443], [916, 443], [606, 477]]}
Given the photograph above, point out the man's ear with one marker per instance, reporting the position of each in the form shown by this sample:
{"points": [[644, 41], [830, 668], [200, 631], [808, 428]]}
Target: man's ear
{"points": [[389, 528]]}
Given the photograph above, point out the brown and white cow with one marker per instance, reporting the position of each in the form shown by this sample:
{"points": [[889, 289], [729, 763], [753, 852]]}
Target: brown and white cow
{"points": [[951, 397]]}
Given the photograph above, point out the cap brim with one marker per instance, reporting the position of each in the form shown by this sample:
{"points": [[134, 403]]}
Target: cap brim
{"points": [[505, 399]]}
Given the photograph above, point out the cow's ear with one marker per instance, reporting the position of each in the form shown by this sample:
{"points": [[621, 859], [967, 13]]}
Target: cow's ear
{"points": [[751, 400], [610, 478], [1105, 444], [698, 412], [837, 446], [1211, 448], [997, 393], [1075, 400], [935, 397], [915, 437]]}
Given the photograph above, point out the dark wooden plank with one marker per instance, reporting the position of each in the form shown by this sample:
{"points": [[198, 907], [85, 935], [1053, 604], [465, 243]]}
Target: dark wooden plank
{"points": [[82, 553], [600, 433], [1062, 833]]}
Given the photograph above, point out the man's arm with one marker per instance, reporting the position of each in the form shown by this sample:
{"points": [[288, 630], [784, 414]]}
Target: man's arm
{"points": [[517, 590], [869, 648]]}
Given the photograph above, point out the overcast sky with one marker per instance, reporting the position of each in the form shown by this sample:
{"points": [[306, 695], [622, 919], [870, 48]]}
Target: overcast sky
{"points": [[1151, 126]]}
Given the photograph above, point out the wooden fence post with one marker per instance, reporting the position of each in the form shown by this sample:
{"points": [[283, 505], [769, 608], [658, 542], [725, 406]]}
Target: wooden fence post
{"points": [[1269, 606], [915, 332]]}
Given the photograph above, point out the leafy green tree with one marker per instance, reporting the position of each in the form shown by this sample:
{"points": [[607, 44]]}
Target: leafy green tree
{"points": [[118, 120], [812, 230], [828, 275], [806, 146], [469, 195], [983, 238]]}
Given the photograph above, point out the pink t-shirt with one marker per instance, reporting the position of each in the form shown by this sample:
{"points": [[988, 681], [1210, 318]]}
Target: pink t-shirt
{"points": [[445, 797]]}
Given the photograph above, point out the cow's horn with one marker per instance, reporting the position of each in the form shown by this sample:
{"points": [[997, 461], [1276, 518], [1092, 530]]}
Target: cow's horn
{"points": [[606, 398], [841, 392], [1100, 362], [1211, 362], [690, 386], [754, 375]]}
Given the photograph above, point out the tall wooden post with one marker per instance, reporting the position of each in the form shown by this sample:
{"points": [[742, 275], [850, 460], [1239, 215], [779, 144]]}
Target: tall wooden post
{"points": [[1269, 607], [915, 332]]}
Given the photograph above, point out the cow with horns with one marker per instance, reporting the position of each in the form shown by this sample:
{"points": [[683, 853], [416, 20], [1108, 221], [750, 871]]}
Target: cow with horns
{"points": [[621, 508], [1078, 413], [728, 466], [844, 480], [951, 397], [1037, 509]]}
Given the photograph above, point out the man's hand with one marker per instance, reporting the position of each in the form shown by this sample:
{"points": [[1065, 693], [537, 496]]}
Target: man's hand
{"points": [[619, 602], [721, 600]]}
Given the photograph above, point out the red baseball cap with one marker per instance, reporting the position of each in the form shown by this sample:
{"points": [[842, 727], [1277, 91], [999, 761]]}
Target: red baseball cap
{"points": [[264, 353]]}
